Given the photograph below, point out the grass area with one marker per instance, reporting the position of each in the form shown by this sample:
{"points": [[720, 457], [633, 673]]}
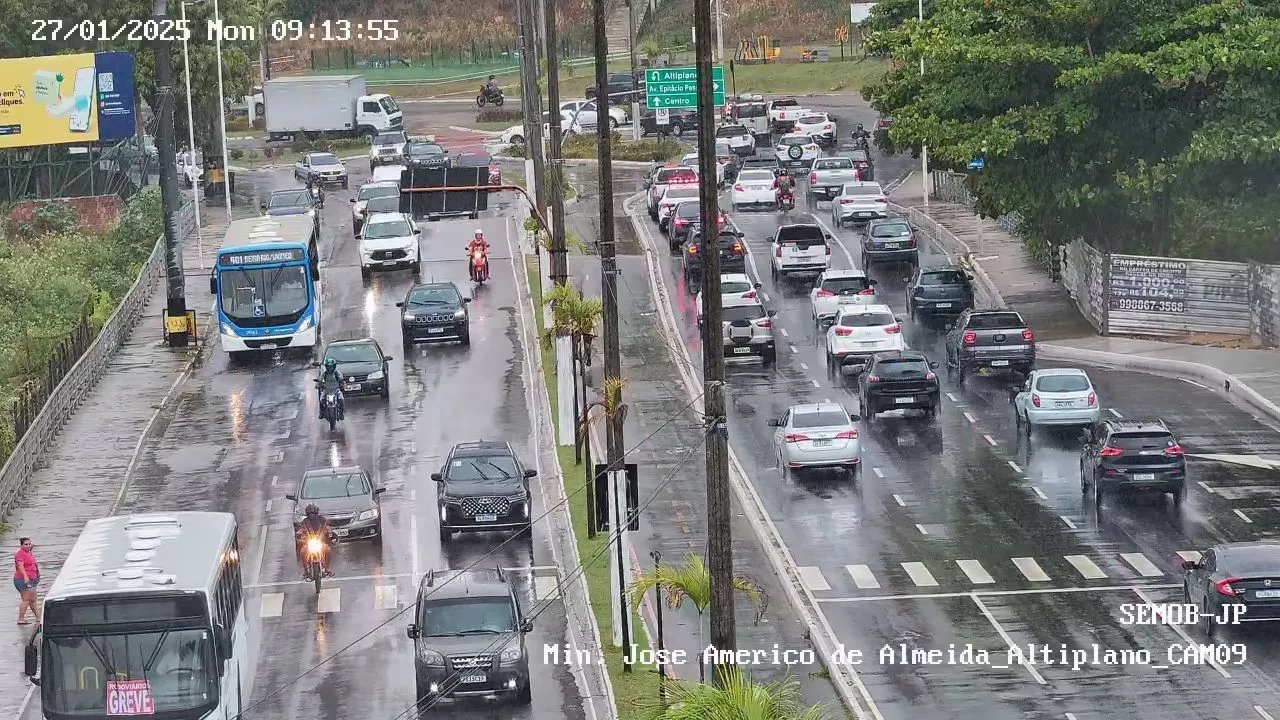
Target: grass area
{"points": [[492, 125], [52, 274], [573, 82], [801, 78], [632, 691], [428, 72]]}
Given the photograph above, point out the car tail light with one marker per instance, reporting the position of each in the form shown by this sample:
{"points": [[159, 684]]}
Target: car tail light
{"points": [[847, 435], [1028, 335], [795, 437], [843, 331], [1035, 399], [766, 324], [1224, 587], [846, 201], [749, 295], [778, 252], [827, 126], [737, 247], [825, 293], [911, 242], [797, 129], [739, 187], [930, 376], [873, 378], [1108, 451], [813, 177], [1174, 450], [1093, 399], [882, 200], [893, 329], [828, 249], [867, 291], [680, 221], [970, 338]]}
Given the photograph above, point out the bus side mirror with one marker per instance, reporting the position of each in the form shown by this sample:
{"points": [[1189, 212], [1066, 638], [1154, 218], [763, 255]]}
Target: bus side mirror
{"points": [[213, 286], [412, 632], [291, 497]]}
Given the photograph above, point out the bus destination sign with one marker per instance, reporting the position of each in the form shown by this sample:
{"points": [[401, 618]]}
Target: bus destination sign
{"points": [[264, 257]]}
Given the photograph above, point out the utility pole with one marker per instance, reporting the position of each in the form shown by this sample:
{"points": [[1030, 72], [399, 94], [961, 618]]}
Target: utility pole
{"points": [[719, 504], [529, 104], [176, 328], [559, 254], [612, 352], [635, 68]]}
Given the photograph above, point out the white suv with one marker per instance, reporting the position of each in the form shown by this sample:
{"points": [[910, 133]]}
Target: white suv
{"points": [[838, 289], [389, 241], [387, 148], [800, 249], [859, 332]]}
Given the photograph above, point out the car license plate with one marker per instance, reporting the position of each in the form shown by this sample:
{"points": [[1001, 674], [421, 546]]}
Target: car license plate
{"points": [[1266, 593], [389, 263], [473, 679], [486, 518], [904, 400], [1145, 476], [943, 305], [848, 300], [821, 443], [1064, 404], [863, 214], [340, 532], [892, 246], [351, 386], [268, 346], [741, 350], [999, 363], [435, 331]]}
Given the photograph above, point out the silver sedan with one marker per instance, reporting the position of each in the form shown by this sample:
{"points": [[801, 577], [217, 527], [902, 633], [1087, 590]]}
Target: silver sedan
{"points": [[817, 435], [1064, 397]]}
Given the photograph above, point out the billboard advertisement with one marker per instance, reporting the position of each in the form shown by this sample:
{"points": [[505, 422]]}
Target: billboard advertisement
{"points": [[62, 99]]}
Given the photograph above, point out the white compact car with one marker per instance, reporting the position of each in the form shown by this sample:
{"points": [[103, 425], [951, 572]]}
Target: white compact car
{"points": [[389, 241], [671, 197], [795, 150], [836, 289], [735, 289], [514, 135], [388, 173], [859, 203], [816, 436], [739, 138], [753, 188], [584, 112], [817, 125], [368, 191], [1057, 396], [859, 332], [690, 160]]}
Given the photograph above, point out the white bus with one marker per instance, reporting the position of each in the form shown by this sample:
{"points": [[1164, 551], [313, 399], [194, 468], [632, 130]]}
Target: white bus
{"points": [[147, 617]]}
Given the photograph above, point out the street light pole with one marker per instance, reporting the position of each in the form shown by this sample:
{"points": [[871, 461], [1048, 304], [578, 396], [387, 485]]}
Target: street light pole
{"points": [[924, 149], [222, 115], [635, 67], [719, 33], [191, 140], [177, 330]]}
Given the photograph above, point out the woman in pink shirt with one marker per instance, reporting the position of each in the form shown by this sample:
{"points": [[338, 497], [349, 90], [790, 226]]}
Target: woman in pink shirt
{"points": [[26, 576]]}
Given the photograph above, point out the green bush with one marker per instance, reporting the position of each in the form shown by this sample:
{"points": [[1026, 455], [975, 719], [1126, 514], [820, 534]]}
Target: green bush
{"points": [[236, 153], [496, 114], [327, 144], [584, 147]]}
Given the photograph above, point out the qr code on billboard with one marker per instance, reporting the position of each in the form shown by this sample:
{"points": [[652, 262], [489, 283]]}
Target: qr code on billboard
{"points": [[106, 82]]}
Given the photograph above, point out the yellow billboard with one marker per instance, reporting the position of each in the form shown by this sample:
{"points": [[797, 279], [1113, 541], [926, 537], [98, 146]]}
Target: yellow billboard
{"points": [[62, 99]]}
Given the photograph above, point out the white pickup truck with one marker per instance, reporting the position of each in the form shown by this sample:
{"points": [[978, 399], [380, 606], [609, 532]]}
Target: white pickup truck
{"points": [[783, 114]]}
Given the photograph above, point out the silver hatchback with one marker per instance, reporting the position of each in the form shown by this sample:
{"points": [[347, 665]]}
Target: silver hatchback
{"points": [[817, 435]]}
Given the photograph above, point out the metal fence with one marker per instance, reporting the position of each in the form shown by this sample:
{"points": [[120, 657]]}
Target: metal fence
{"points": [[74, 385]]}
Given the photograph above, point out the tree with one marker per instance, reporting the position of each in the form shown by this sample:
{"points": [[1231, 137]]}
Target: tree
{"points": [[736, 697], [1148, 127], [692, 581]]}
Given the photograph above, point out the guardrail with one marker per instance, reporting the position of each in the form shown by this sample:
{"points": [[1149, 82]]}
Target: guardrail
{"points": [[76, 385]]}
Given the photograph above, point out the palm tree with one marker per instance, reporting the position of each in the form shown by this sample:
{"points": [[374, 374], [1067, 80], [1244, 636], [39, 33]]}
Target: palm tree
{"points": [[650, 49], [736, 697], [692, 581]]}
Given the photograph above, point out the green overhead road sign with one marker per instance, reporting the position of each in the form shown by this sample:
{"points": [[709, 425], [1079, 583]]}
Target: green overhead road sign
{"points": [[678, 87]]}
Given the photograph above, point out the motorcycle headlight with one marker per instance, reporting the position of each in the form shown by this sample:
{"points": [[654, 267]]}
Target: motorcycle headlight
{"points": [[431, 657], [376, 375], [459, 314], [510, 655], [368, 514], [314, 545]]}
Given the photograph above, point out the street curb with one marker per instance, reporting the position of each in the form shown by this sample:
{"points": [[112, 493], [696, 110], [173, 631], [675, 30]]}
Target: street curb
{"points": [[1214, 378], [484, 133], [580, 163], [844, 678]]}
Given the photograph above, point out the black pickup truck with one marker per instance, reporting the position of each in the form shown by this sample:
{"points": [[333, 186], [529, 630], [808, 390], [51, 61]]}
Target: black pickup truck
{"points": [[623, 88], [997, 339]]}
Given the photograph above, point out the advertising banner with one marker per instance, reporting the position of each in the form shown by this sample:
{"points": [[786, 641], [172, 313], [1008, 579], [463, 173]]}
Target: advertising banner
{"points": [[63, 99]]}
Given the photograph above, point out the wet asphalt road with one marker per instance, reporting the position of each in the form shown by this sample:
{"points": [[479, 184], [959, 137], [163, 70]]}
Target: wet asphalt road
{"points": [[960, 534], [241, 436]]}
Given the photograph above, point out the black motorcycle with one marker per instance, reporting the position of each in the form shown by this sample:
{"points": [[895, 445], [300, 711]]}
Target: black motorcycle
{"points": [[861, 140], [492, 97], [331, 407], [314, 547]]}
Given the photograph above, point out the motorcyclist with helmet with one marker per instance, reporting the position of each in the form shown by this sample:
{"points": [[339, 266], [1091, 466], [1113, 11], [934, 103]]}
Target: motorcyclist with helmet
{"points": [[331, 382], [316, 525], [491, 89], [317, 190], [477, 243], [860, 136], [783, 186]]}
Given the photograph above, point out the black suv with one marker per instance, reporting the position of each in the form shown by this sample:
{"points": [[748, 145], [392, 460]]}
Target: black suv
{"points": [[938, 291], [1133, 456], [677, 122], [433, 312], [483, 488], [899, 380], [891, 239], [468, 635], [733, 256], [364, 368]]}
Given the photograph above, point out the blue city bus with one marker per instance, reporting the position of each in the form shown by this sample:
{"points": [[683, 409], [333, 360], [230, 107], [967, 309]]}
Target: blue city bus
{"points": [[266, 283]]}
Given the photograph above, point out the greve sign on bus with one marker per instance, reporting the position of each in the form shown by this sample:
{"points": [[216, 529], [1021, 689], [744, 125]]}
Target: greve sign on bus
{"points": [[129, 698]]}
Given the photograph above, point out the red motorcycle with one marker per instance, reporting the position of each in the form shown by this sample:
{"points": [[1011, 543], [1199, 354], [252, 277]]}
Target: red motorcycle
{"points": [[785, 199], [479, 266]]}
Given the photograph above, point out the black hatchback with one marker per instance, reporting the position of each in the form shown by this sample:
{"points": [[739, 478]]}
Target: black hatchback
{"points": [[1233, 583], [363, 366], [733, 255], [1133, 456], [435, 312], [938, 291]]}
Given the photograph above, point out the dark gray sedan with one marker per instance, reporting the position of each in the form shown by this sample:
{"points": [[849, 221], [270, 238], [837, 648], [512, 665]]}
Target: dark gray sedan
{"points": [[346, 498], [362, 365]]}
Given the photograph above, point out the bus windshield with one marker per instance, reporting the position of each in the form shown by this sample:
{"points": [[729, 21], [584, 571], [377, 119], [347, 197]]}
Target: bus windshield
{"points": [[263, 296], [82, 673]]}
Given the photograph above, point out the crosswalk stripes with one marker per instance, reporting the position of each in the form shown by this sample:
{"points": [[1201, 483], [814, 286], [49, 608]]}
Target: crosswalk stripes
{"points": [[329, 601], [813, 579], [301, 597], [863, 577], [1139, 562], [920, 574], [1189, 555], [272, 605], [977, 574], [1030, 569], [384, 597], [1086, 567]]}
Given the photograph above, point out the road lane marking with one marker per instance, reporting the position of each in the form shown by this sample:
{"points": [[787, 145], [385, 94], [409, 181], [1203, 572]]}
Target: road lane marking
{"points": [[1240, 514], [813, 579], [815, 383], [1030, 569], [1086, 567], [1189, 555], [920, 574], [921, 529], [1177, 629], [1005, 636], [879, 473], [970, 418], [999, 593], [268, 505], [804, 366], [272, 605], [1015, 467], [329, 601], [848, 255], [898, 499], [274, 479], [1039, 493], [764, 296], [990, 440], [1262, 713], [1071, 716], [1067, 520], [413, 539], [952, 398], [977, 574], [784, 333], [1206, 487], [1139, 562], [863, 577], [384, 597], [338, 578], [794, 349], [1113, 412], [546, 587]]}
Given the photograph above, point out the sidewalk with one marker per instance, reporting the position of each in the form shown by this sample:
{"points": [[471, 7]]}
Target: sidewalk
{"points": [[83, 475], [1006, 275]]}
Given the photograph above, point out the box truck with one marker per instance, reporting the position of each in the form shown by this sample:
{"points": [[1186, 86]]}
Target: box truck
{"points": [[335, 104]]}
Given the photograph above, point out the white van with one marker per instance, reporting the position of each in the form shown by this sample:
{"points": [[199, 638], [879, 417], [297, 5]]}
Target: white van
{"points": [[387, 173]]}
